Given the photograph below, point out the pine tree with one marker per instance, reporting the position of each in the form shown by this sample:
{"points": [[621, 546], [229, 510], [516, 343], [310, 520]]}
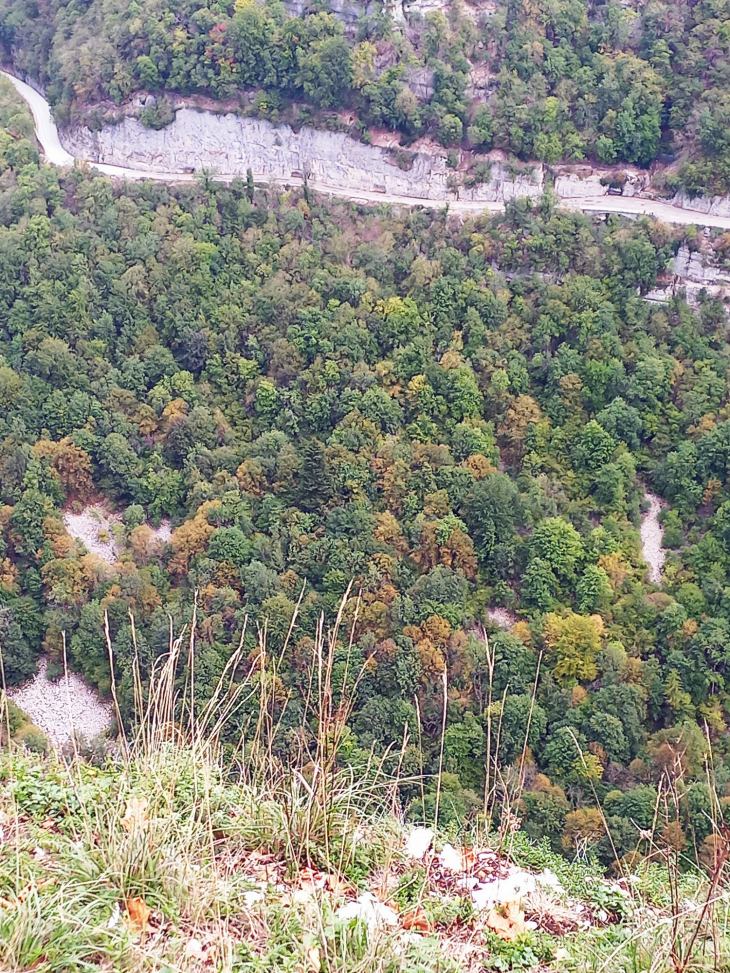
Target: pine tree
{"points": [[313, 477]]}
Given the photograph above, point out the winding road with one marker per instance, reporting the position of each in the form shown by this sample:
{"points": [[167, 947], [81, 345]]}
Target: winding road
{"points": [[47, 135]]}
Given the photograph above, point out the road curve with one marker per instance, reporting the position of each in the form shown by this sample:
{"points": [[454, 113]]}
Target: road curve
{"points": [[47, 135]]}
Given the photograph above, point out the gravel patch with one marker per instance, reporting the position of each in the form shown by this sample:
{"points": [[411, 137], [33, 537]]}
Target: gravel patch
{"points": [[59, 708], [651, 538], [93, 527], [163, 533], [502, 617]]}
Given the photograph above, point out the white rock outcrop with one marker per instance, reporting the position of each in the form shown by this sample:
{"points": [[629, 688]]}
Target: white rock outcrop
{"points": [[230, 144], [708, 205]]}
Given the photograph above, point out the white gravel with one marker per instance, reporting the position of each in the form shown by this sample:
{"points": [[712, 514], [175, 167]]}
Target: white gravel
{"points": [[86, 528], [163, 533], [651, 538], [59, 708], [502, 617]]}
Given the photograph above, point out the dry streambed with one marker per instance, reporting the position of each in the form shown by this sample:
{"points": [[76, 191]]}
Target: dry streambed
{"points": [[94, 527], [654, 554], [651, 537]]}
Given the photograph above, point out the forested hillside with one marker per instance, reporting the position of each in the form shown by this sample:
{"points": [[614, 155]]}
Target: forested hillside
{"points": [[452, 416], [565, 80]]}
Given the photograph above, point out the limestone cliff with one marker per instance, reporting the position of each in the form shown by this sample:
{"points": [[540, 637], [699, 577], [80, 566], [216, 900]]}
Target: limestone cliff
{"points": [[230, 144]]}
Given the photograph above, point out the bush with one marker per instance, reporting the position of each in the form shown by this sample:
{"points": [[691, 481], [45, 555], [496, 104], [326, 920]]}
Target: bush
{"points": [[450, 130], [33, 739], [158, 115], [14, 718]]}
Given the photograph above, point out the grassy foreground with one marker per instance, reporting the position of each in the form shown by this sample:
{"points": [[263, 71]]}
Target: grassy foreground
{"points": [[156, 853], [159, 862]]}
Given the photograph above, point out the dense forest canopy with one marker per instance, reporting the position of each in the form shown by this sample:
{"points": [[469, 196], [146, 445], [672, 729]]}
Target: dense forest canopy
{"points": [[455, 415], [563, 80]]}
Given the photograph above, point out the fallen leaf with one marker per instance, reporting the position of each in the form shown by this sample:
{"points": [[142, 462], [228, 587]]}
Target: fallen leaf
{"points": [[310, 879], [135, 815], [508, 921], [311, 954], [265, 873], [29, 888], [469, 859], [41, 961], [338, 885], [416, 921], [24, 893], [138, 913]]}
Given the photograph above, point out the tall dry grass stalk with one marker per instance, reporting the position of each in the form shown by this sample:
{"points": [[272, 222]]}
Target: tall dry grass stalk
{"points": [[318, 799]]}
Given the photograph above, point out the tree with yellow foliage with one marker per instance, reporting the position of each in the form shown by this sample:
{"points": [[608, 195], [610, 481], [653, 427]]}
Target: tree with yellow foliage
{"points": [[572, 643]]}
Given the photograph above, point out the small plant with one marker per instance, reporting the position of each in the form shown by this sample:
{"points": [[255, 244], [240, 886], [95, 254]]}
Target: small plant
{"points": [[54, 671], [479, 173], [524, 953], [410, 889], [403, 159]]}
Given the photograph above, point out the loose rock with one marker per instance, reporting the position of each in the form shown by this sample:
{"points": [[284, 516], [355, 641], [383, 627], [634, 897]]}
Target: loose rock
{"points": [[63, 707]]}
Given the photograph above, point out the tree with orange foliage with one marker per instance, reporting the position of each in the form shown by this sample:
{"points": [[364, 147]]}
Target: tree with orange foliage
{"points": [[191, 538]]}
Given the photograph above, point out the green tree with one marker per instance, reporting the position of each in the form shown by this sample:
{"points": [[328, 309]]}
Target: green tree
{"points": [[325, 74], [593, 592], [465, 751], [556, 542]]}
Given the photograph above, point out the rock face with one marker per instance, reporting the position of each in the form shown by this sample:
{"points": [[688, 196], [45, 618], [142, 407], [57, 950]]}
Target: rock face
{"points": [[708, 205], [695, 272], [230, 144], [346, 10], [576, 181]]}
